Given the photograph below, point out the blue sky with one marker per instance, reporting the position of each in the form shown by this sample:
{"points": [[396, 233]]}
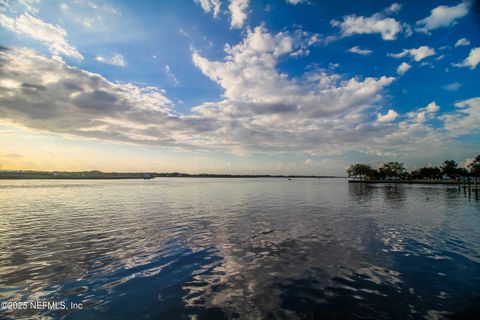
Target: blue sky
{"points": [[239, 86]]}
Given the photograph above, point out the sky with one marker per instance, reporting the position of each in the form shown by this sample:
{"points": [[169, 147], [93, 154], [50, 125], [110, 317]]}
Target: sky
{"points": [[237, 86]]}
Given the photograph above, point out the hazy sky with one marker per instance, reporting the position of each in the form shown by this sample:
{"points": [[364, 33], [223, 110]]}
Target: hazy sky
{"points": [[237, 86]]}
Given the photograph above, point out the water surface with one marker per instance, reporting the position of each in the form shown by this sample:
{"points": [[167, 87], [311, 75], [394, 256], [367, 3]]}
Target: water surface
{"points": [[199, 248]]}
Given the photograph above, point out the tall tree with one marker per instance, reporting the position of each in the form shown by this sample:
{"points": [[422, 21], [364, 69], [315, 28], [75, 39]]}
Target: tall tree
{"points": [[474, 167], [361, 170], [427, 173], [449, 168], [393, 169]]}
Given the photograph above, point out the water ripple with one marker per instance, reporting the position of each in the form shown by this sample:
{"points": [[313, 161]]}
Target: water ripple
{"points": [[239, 248]]}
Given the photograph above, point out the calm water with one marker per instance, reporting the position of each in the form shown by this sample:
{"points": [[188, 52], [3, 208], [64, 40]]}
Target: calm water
{"points": [[239, 248]]}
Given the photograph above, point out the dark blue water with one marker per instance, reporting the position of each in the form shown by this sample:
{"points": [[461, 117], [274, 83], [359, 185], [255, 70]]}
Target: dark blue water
{"points": [[190, 248]]}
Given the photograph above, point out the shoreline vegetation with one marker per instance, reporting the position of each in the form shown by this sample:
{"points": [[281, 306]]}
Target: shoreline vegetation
{"points": [[85, 175], [408, 181], [394, 172], [391, 172]]}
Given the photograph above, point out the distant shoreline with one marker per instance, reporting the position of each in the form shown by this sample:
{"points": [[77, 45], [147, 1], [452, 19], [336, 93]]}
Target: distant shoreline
{"points": [[97, 175]]}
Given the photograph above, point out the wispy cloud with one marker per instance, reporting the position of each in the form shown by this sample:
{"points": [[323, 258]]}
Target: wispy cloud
{"points": [[116, 59], [90, 14], [50, 35], [170, 75], [454, 86], [295, 2], [360, 51]]}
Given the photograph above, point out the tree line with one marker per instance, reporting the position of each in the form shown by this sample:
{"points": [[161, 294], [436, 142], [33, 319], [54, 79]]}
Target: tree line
{"points": [[396, 170]]}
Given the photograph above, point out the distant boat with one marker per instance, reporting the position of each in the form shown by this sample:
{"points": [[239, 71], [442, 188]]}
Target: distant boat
{"points": [[148, 176]]}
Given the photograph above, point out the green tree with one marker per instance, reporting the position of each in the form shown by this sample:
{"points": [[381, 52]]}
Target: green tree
{"points": [[393, 169], [462, 172], [415, 174], [474, 167], [449, 168], [430, 173], [361, 170], [373, 174]]}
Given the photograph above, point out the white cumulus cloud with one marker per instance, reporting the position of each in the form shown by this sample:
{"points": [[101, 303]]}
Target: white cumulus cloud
{"points": [[265, 109], [462, 42], [466, 120], [432, 107], [48, 95], [403, 68], [442, 16], [387, 27], [422, 114], [417, 54], [390, 116], [472, 60], [238, 11], [261, 110], [394, 8], [210, 5]]}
